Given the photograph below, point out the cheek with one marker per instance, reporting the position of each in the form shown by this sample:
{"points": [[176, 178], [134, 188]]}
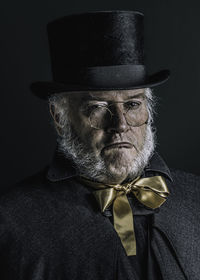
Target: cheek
{"points": [[96, 140], [81, 125], [92, 138], [138, 135]]}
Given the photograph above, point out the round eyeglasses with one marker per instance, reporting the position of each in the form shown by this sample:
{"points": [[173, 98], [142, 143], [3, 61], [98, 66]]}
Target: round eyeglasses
{"points": [[100, 115]]}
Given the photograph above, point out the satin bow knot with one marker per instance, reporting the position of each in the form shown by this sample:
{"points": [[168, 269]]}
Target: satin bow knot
{"points": [[127, 189]]}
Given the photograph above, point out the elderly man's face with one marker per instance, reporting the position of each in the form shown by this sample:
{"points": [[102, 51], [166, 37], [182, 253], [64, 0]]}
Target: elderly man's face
{"points": [[117, 139]]}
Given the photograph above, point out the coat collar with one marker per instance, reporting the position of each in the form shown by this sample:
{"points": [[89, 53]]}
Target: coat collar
{"points": [[62, 168]]}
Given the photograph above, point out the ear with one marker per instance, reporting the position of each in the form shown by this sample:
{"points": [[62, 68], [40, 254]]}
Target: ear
{"points": [[52, 110], [55, 115]]}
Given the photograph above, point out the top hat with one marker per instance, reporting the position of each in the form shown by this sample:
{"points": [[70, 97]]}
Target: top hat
{"points": [[101, 50]]}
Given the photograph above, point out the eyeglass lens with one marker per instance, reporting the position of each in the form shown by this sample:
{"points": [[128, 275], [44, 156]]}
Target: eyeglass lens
{"points": [[101, 117]]}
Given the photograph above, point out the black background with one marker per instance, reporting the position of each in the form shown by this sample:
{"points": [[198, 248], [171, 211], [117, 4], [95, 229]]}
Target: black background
{"points": [[172, 41]]}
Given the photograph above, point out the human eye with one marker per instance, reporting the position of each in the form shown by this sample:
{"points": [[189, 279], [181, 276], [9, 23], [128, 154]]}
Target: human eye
{"points": [[91, 106], [132, 105]]}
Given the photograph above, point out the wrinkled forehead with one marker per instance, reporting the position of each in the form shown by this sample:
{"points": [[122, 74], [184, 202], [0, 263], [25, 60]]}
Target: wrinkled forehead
{"points": [[111, 95]]}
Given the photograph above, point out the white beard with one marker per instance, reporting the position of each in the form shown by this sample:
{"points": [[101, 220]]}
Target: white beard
{"points": [[95, 168]]}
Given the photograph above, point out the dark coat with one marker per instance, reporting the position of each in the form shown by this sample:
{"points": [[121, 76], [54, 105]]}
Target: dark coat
{"points": [[51, 228]]}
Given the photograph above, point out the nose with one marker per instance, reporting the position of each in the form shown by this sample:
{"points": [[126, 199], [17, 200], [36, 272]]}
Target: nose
{"points": [[118, 123]]}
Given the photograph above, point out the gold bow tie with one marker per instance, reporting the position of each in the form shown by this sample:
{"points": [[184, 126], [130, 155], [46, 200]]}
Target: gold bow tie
{"points": [[152, 192]]}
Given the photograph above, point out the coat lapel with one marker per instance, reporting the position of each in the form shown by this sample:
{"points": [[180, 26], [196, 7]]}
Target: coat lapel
{"points": [[175, 235]]}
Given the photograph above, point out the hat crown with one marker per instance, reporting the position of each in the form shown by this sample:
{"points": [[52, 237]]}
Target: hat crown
{"points": [[101, 50], [96, 39]]}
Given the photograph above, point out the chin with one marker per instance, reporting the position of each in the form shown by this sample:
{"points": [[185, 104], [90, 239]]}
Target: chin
{"points": [[119, 172], [119, 160]]}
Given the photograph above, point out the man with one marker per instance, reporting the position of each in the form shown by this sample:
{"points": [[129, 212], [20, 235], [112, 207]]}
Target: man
{"points": [[107, 207]]}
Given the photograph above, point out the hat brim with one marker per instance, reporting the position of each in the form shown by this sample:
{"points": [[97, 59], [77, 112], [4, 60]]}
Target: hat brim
{"points": [[44, 90]]}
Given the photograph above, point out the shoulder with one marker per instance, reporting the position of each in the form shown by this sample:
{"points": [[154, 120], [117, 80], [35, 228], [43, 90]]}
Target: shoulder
{"points": [[35, 204], [23, 196], [186, 180], [36, 196], [24, 187], [17, 202], [183, 176], [31, 193], [185, 188]]}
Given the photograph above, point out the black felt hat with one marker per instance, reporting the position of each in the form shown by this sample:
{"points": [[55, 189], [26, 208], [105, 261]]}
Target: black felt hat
{"points": [[97, 51]]}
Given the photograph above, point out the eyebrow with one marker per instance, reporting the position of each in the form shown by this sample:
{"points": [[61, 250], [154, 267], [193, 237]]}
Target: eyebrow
{"points": [[141, 94], [99, 98]]}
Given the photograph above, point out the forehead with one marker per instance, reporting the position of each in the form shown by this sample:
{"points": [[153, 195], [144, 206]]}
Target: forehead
{"points": [[111, 95]]}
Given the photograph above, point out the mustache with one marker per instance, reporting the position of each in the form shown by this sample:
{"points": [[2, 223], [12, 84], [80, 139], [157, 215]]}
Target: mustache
{"points": [[118, 144], [121, 139]]}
